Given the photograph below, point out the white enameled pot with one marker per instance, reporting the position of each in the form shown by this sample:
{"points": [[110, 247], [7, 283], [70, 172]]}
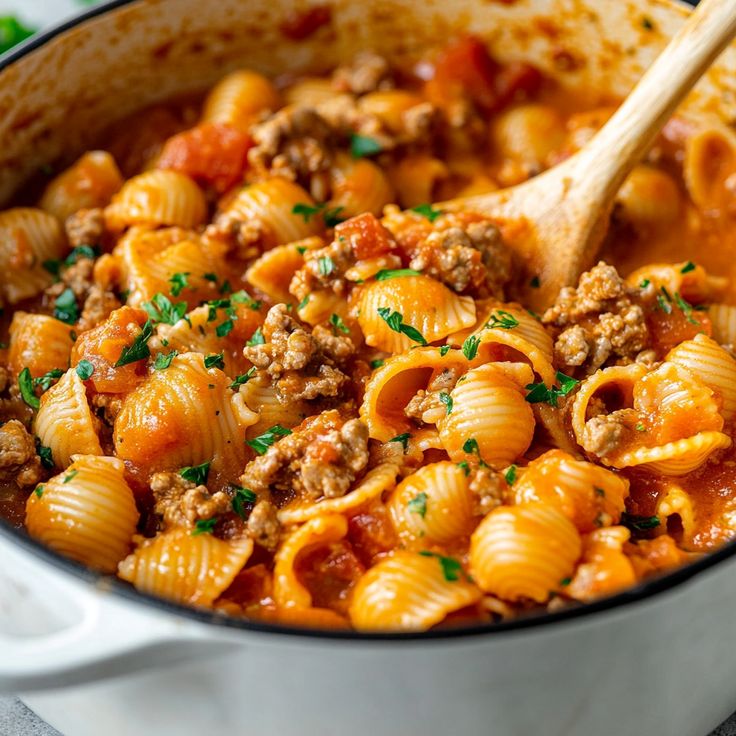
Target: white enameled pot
{"points": [[93, 657]]}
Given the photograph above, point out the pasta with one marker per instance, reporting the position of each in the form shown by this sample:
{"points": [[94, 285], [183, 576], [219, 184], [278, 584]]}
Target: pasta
{"points": [[87, 512], [252, 363]]}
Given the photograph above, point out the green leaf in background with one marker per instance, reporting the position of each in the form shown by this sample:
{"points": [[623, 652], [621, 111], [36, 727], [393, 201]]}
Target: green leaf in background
{"points": [[12, 32]]}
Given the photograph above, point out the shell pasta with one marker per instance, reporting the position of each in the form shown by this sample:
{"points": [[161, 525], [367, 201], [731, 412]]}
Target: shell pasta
{"points": [[249, 363]]}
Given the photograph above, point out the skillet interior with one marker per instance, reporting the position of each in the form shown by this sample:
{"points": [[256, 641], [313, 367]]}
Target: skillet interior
{"points": [[90, 99]]}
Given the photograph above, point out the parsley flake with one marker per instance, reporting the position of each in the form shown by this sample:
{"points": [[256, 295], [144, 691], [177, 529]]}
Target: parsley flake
{"points": [[444, 349], [65, 308], [338, 325], [85, 369], [470, 346], [510, 475], [70, 476], [215, 361], [161, 309], [242, 497], [48, 379], [465, 467], [39, 490], [243, 378], [395, 321], [446, 399], [451, 568], [25, 383], [261, 443], [179, 281], [539, 393], [362, 146], [689, 266], [163, 360], [45, 454], [377, 363], [426, 210], [325, 265], [418, 504], [403, 438], [196, 474], [640, 523], [471, 446], [139, 349], [204, 526], [503, 320], [394, 273], [257, 338]]}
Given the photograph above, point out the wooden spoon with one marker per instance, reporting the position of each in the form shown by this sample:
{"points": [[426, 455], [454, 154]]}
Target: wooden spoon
{"points": [[568, 207]]}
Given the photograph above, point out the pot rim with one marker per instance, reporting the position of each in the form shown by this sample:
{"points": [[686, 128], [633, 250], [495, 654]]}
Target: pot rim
{"points": [[122, 590]]}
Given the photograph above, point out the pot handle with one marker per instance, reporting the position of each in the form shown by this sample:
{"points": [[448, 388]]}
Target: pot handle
{"points": [[57, 630]]}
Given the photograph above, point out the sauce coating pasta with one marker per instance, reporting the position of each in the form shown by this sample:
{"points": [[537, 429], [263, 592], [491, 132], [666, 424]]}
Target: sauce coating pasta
{"points": [[249, 366]]}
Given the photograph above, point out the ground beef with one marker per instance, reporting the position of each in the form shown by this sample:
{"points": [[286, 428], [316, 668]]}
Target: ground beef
{"points": [[301, 364], [110, 404], [469, 258], [98, 306], [181, 503], [85, 227], [18, 458], [367, 72], [429, 401], [598, 321], [320, 459], [296, 143], [313, 276], [263, 525], [242, 238], [603, 434], [489, 489]]}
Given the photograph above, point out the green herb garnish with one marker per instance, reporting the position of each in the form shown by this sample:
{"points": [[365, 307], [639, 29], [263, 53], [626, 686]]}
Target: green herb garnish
{"points": [[139, 349], [25, 383], [418, 504], [242, 497], [446, 399], [394, 273], [196, 474], [426, 210], [362, 146], [451, 568], [394, 321], [243, 378], [502, 320], [261, 443], [65, 308], [215, 361], [470, 346], [204, 526], [163, 360], [338, 325], [85, 369], [539, 393], [161, 309], [179, 281]]}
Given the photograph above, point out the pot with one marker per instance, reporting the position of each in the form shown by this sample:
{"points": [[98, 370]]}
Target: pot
{"points": [[92, 656]]}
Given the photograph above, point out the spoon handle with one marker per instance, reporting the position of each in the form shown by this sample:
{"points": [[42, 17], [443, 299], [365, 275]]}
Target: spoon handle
{"points": [[626, 137]]}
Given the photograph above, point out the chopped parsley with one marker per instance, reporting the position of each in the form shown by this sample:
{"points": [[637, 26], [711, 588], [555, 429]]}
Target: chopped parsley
{"points": [[326, 265], [362, 145], [215, 361], [451, 568], [330, 215], [196, 474], [243, 297], [377, 363], [242, 497], [257, 338], [599, 491], [48, 379], [179, 281], [426, 210], [338, 325], [403, 438], [395, 321], [418, 504], [394, 273], [25, 383], [243, 378], [81, 251], [644, 284], [303, 303], [664, 300], [139, 349], [640, 428], [510, 475], [465, 467], [70, 476], [204, 526], [471, 446], [65, 308], [224, 329], [503, 320], [39, 490], [686, 308], [12, 32], [470, 346], [45, 454], [85, 369], [444, 349], [565, 582], [161, 309], [689, 266], [163, 360], [640, 523], [446, 399], [261, 443], [540, 394], [210, 277]]}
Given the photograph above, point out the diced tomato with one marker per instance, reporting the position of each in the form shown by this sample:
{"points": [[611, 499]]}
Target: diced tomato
{"points": [[250, 586], [213, 154], [669, 330], [301, 24], [367, 237], [103, 345], [329, 573], [466, 69], [371, 534]]}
